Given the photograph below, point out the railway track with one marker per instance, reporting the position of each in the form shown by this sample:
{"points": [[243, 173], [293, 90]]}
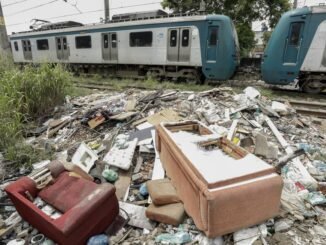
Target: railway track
{"points": [[310, 108], [105, 86]]}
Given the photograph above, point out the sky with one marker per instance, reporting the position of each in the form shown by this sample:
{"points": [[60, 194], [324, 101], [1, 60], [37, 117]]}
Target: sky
{"points": [[19, 13], [256, 26], [19, 20]]}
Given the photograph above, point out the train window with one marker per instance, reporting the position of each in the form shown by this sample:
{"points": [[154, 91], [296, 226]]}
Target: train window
{"points": [[58, 43], [83, 42], [29, 46], [16, 46], [141, 39], [185, 38], [64, 41], [42, 44], [24, 45], [324, 57], [213, 37], [105, 40], [114, 40], [295, 33], [173, 38]]}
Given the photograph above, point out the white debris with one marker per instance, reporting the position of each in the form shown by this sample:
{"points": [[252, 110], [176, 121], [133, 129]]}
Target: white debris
{"points": [[84, 157], [280, 107], [251, 93], [122, 152], [250, 235]]}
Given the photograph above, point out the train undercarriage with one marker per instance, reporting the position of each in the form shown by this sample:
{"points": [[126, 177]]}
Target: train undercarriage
{"points": [[179, 73], [312, 82]]}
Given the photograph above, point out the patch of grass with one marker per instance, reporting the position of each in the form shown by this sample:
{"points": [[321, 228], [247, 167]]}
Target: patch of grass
{"points": [[25, 95], [35, 91], [76, 91]]}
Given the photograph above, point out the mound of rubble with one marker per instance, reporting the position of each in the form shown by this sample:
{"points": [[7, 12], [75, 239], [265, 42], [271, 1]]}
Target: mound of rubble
{"points": [[110, 137]]}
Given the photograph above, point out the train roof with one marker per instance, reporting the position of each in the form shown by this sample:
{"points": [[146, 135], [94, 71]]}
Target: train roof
{"points": [[124, 23], [318, 9], [307, 10]]}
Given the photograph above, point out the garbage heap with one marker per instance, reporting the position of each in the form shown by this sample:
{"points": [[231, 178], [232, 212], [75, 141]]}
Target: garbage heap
{"points": [[116, 131]]}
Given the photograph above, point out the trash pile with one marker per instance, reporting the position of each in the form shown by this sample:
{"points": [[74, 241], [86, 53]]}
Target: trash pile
{"points": [[109, 137]]}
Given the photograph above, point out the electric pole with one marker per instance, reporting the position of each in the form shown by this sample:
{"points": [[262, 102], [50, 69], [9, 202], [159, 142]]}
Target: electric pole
{"points": [[4, 43], [106, 11], [295, 4]]}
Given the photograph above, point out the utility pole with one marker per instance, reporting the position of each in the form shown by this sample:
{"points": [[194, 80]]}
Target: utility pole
{"points": [[106, 11], [295, 4], [4, 43]]}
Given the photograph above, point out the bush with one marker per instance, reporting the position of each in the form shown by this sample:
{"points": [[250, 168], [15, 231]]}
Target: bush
{"points": [[36, 90], [25, 95]]}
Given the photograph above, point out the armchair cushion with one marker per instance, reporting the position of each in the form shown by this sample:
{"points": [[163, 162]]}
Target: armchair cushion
{"points": [[67, 191]]}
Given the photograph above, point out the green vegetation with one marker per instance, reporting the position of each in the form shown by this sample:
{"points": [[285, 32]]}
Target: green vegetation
{"points": [[122, 84], [242, 12], [26, 94]]}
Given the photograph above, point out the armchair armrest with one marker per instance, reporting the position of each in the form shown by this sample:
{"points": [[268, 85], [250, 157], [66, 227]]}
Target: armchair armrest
{"points": [[21, 186], [16, 192]]}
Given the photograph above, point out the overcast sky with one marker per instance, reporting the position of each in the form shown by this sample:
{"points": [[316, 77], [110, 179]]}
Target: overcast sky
{"points": [[56, 8], [19, 13]]}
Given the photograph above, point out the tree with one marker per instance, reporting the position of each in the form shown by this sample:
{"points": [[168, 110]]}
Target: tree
{"points": [[242, 12]]}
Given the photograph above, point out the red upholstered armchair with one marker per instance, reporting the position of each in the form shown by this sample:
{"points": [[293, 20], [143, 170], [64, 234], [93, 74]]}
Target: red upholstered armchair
{"points": [[88, 208]]}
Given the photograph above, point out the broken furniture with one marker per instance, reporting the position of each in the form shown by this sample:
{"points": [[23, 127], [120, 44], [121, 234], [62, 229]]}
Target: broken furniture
{"points": [[166, 206], [87, 208], [222, 186]]}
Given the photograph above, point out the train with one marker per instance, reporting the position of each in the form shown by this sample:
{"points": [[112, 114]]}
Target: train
{"points": [[197, 47], [296, 51], [163, 46]]}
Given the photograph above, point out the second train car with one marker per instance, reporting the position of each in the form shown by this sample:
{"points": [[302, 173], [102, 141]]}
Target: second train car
{"points": [[296, 51]]}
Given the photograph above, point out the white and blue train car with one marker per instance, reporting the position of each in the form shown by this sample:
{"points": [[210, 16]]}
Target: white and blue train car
{"points": [[188, 46], [296, 50]]}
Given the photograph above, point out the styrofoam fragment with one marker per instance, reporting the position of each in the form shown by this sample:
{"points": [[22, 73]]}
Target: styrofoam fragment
{"points": [[121, 157]]}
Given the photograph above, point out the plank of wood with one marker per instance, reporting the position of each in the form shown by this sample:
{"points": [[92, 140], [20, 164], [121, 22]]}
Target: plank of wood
{"points": [[232, 129]]}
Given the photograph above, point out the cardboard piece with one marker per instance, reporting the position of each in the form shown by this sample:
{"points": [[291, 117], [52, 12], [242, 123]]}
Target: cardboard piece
{"points": [[93, 123], [167, 115], [130, 105], [137, 216], [122, 185]]}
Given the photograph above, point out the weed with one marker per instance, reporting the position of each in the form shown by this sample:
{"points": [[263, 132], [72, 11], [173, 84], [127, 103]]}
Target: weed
{"points": [[25, 95]]}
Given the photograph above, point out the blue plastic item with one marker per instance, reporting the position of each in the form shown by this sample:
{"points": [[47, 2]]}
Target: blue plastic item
{"points": [[98, 240], [143, 190]]}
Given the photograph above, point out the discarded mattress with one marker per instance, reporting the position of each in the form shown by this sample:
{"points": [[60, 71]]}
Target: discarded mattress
{"points": [[223, 187]]}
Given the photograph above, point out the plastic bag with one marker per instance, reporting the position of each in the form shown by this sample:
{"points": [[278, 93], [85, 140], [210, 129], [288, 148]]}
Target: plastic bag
{"points": [[177, 238]]}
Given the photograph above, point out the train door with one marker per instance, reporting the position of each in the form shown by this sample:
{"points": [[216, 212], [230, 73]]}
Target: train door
{"points": [[27, 49], [324, 57], [293, 43], [179, 43], [62, 48], [110, 46], [212, 43]]}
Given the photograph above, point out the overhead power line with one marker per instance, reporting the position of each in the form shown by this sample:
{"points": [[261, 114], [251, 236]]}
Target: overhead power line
{"points": [[17, 2], [34, 7], [87, 12], [9, 4]]}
